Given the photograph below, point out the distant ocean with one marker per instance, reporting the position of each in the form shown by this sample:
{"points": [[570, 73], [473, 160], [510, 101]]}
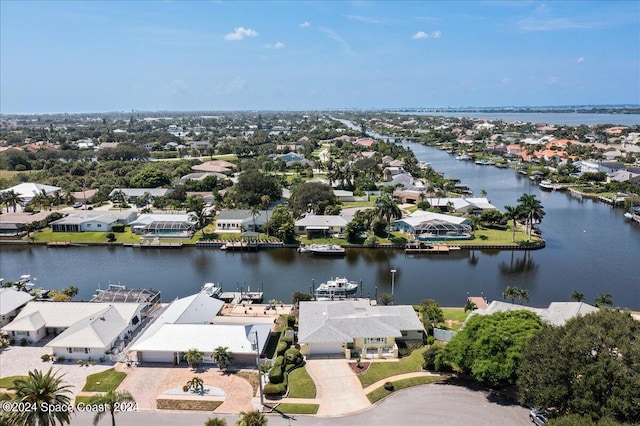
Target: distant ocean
{"points": [[561, 118]]}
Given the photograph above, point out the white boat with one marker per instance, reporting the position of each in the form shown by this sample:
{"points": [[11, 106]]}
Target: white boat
{"points": [[463, 157], [323, 249], [211, 289], [546, 185], [628, 215], [338, 287], [26, 281]]}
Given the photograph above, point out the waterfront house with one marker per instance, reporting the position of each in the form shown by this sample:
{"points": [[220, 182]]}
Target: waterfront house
{"points": [[557, 313], [92, 220], [11, 300], [461, 205], [192, 322], [356, 328], [168, 225], [434, 226], [81, 330], [237, 221], [324, 224]]}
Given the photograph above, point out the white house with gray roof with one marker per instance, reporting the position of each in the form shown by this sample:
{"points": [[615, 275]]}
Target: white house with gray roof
{"points": [[11, 300], [92, 220], [327, 224], [355, 326], [557, 313], [78, 327], [237, 221], [192, 323]]}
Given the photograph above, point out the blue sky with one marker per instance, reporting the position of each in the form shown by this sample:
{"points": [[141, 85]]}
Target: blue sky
{"points": [[77, 56]]}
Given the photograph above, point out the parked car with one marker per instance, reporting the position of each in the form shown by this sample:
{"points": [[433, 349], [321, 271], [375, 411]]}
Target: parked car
{"points": [[77, 205], [538, 417]]}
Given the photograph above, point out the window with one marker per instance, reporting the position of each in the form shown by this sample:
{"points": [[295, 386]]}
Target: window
{"points": [[375, 340], [78, 350], [404, 333], [99, 225]]}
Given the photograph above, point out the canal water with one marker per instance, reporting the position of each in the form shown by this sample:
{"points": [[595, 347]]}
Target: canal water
{"points": [[590, 248]]}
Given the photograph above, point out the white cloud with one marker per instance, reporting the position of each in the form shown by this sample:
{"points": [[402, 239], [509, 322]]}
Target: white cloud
{"points": [[580, 59], [240, 33], [506, 80], [421, 34], [338, 39], [235, 85], [277, 45], [305, 24]]}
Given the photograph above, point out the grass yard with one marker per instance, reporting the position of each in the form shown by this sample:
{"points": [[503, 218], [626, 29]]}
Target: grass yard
{"points": [[187, 404], [47, 235], [7, 382], [496, 236], [454, 314], [381, 392], [301, 384], [382, 370], [82, 399], [105, 381], [297, 408]]}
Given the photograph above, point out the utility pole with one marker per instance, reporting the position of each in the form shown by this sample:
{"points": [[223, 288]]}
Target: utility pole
{"points": [[259, 367]]}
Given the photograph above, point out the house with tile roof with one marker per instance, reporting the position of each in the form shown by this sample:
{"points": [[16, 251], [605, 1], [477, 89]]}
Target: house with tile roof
{"points": [[349, 327]]}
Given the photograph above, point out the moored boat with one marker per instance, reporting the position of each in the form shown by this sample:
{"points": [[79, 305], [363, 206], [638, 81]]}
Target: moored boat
{"points": [[323, 249], [546, 185], [338, 287], [463, 157], [211, 289]]}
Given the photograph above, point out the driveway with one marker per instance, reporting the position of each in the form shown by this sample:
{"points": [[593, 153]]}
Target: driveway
{"points": [[19, 360], [338, 389]]}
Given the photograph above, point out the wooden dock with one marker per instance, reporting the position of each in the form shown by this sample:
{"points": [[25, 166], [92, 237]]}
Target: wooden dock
{"points": [[418, 248], [237, 297]]}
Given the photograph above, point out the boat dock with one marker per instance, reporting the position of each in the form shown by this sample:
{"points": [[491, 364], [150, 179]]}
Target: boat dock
{"points": [[417, 248], [241, 246], [237, 297]]}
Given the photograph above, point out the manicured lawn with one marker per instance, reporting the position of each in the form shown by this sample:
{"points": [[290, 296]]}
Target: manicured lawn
{"points": [[382, 370], [7, 382], [455, 314], [494, 236], [47, 235], [298, 408], [82, 399], [381, 392], [104, 381], [301, 384]]}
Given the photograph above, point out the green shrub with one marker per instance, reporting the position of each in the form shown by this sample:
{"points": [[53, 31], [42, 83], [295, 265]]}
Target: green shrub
{"points": [[293, 356], [117, 227], [388, 386], [288, 340], [429, 356], [276, 375], [271, 389], [291, 321], [281, 348], [45, 357], [279, 362]]}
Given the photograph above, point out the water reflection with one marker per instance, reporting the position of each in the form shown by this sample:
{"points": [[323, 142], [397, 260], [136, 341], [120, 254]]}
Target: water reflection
{"points": [[522, 264]]}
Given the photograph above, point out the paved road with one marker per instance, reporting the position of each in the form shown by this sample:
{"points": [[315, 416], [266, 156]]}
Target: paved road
{"points": [[442, 405]]}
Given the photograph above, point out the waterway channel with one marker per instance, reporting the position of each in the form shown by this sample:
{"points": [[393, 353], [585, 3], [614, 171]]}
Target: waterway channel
{"points": [[590, 248]]}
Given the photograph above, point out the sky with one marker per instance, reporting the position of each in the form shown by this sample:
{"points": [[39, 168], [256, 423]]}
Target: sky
{"points": [[100, 56]]}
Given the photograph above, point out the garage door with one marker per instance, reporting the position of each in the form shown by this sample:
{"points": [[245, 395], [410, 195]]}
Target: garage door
{"points": [[327, 348], [153, 356]]}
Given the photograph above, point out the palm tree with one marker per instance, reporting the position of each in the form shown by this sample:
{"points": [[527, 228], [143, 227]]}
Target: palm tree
{"points": [[12, 198], [71, 291], [193, 358], [603, 299], [510, 293], [196, 384], [110, 400], [386, 207], [47, 393], [215, 422], [577, 296], [255, 211], [512, 213], [265, 201], [531, 208], [251, 418], [470, 306], [223, 356]]}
